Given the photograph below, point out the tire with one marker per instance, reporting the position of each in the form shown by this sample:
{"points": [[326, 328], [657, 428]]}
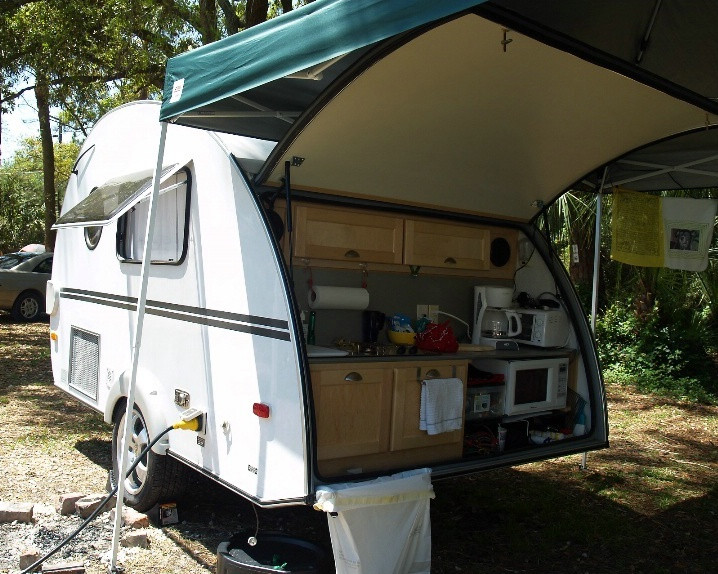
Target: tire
{"points": [[29, 306], [157, 478]]}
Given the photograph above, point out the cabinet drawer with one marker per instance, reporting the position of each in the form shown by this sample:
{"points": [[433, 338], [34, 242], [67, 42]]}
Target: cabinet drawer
{"points": [[405, 431], [446, 245], [347, 235], [352, 406]]}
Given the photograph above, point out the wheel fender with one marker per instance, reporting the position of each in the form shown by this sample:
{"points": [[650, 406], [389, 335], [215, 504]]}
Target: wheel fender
{"points": [[151, 400]]}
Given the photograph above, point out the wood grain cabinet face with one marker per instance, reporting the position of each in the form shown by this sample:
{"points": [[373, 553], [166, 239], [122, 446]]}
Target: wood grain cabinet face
{"points": [[352, 406], [347, 235], [405, 431], [445, 245]]}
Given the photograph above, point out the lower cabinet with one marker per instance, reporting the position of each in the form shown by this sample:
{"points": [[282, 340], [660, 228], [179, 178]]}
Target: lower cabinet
{"points": [[368, 416]]}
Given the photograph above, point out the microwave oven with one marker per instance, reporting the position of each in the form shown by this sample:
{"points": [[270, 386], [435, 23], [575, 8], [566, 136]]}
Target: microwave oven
{"points": [[531, 385], [543, 327]]}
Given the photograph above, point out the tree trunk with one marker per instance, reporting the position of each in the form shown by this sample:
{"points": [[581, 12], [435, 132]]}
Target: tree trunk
{"points": [[42, 95], [256, 12], [208, 21]]}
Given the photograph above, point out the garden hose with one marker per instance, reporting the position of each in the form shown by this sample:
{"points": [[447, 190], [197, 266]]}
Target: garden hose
{"points": [[192, 424]]}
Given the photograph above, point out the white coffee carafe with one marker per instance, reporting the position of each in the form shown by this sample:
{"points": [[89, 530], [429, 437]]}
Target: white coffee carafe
{"points": [[494, 320]]}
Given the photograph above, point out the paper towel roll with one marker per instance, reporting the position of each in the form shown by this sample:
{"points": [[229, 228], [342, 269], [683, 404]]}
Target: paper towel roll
{"points": [[326, 297]]}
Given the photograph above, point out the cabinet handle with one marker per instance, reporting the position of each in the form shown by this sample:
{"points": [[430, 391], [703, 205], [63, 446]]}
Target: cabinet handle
{"points": [[352, 254], [450, 260], [353, 377], [432, 374]]}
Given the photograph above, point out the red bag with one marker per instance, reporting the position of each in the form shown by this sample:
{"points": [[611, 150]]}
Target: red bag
{"points": [[437, 337]]}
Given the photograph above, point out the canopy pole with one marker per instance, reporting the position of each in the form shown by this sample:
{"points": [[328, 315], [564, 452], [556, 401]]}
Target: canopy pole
{"points": [[596, 266], [597, 251], [139, 324]]}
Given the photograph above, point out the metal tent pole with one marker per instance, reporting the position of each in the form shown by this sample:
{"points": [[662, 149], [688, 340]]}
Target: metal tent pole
{"points": [[139, 324], [596, 265]]}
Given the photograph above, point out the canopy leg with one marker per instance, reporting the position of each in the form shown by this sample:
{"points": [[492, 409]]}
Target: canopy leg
{"points": [[140, 319]]}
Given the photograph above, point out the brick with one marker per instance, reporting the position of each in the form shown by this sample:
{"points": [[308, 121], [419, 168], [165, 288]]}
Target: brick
{"points": [[131, 518], [12, 511], [66, 503], [63, 568], [28, 557], [88, 504], [135, 539]]}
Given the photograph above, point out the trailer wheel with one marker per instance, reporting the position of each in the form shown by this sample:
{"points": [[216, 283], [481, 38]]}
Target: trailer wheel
{"points": [[28, 306], [157, 477]]}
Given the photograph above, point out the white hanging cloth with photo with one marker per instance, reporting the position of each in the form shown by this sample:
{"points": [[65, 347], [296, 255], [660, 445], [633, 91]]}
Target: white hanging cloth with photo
{"points": [[687, 232]]}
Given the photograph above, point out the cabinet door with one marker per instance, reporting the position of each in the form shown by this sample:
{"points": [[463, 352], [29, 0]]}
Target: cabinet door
{"points": [[352, 406], [347, 235], [446, 245], [405, 431]]}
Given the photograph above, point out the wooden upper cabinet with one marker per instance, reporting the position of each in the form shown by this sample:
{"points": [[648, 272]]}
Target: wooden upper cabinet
{"points": [[347, 235], [447, 245]]}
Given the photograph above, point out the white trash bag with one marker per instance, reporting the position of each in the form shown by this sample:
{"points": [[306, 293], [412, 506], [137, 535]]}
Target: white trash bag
{"points": [[382, 525]]}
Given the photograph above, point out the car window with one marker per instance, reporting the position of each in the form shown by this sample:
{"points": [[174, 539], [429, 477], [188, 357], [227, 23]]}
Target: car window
{"points": [[13, 259], [44, 266]]}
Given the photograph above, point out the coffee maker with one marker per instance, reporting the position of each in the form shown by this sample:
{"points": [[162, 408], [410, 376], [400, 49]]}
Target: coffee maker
{"points": [[494, 319]]}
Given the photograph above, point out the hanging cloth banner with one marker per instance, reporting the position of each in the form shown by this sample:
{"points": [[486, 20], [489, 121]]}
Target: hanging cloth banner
{"points": [[687, 232], [652, 231]]}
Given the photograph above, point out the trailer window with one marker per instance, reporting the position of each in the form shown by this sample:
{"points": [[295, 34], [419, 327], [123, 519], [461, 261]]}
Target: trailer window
{"points": [[169, 241]]}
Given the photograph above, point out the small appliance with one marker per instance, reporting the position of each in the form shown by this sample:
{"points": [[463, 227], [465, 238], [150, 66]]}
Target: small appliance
{"points": [[543, 327], [372, 324], [494, 320], [532, 386]]}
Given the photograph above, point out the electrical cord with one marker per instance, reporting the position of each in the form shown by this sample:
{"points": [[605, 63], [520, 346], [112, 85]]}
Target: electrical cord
{"points": [[179, 425]]}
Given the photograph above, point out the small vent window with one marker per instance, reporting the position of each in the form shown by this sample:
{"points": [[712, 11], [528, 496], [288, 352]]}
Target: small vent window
{"points": [[84, 362]]}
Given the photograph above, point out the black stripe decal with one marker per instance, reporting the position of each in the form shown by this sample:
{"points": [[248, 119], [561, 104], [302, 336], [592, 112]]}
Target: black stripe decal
{"points": [[261, 331], [226, 315], [99, 294], [108, 302], [261, 326]]}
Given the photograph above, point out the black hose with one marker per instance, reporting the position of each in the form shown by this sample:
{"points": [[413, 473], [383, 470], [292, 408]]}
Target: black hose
{"points": [[100, 507]]}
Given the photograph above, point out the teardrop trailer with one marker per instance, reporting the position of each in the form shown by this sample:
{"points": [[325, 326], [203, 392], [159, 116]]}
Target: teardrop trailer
{"points": [[425, 141]]}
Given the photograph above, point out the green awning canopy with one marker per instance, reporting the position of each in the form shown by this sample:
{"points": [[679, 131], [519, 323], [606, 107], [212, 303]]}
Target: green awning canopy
{"points": [[297, 41]]}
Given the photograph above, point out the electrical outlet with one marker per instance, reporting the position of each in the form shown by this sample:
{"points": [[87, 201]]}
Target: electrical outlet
{"points": [[422, 311], [433, 313]]}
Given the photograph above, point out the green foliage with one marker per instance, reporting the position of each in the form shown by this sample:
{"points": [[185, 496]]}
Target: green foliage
{"points": [[669, 352], [22, 209]]}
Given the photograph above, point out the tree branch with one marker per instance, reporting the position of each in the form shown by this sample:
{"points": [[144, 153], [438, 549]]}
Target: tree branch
{"points": [[232, 22]]}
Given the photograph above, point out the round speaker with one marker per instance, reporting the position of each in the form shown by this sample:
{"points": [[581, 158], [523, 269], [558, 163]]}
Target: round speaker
{"points": [[500, 252]]}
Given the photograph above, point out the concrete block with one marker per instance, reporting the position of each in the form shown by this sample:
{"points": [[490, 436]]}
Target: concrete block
{"points": [[88, 504], [66, 503], [12, 511]]}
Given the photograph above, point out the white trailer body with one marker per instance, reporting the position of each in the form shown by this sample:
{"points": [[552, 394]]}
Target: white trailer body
{"points": [[217, 323]]}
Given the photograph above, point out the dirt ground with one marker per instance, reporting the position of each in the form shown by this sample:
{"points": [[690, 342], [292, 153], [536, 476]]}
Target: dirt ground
{"points": [[647, 504]]}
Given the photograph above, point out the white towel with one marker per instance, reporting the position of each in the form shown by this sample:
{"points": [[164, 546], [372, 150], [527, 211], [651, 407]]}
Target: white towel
{"points": [[442, 405]]}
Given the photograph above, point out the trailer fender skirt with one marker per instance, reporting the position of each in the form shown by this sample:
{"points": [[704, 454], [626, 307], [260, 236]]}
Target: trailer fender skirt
{"points": [[150, 399]]}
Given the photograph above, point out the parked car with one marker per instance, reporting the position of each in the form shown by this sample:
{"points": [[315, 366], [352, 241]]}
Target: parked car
{"points": [[23, 278]]}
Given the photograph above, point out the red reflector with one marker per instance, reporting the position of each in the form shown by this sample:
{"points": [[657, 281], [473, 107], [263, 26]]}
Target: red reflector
{"points": [[261, 410]]}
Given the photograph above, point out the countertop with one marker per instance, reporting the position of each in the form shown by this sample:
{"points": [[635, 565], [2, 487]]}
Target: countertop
{"points": [[524, 352]]}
